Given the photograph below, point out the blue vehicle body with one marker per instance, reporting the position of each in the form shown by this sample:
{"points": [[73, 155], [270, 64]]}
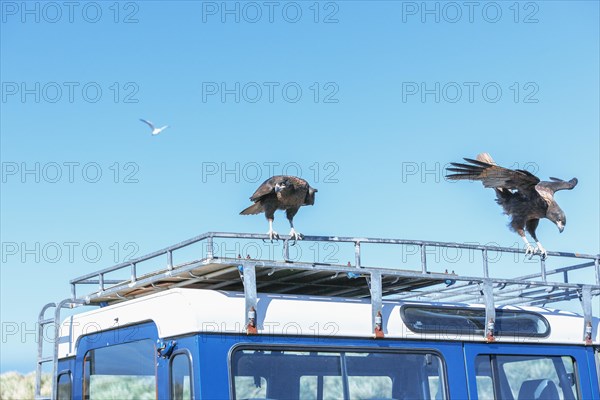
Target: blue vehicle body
{"points": [[211, 371]]}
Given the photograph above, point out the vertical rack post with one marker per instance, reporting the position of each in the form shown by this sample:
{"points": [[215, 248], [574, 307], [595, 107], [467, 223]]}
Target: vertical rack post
{"points": [[586, 303], [169, 260], [357, 254], [209, 247], [286, 250], [376, 303], [490, 310], [486, 270], [543, 269], [133, 273], [249, 279], [423, 259]]}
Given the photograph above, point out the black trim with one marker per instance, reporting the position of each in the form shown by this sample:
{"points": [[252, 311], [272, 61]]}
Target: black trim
{"points": [[334, 349], [478, 330]]}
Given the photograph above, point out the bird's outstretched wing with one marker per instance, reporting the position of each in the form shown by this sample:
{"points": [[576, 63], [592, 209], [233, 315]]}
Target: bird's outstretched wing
{"points": [[492, 175], [150, 124], [557, 184], [266, 188], [547, 189]]}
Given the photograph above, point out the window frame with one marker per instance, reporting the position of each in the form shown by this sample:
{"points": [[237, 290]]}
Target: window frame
{"points": [[189, 358], [87, 360], [498, 380], [70, 375], [336, 349]]}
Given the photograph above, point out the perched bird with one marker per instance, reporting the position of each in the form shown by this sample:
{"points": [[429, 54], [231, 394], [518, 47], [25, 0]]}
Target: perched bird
{"points": [[520, 193], [155, 131], [281, 192]]}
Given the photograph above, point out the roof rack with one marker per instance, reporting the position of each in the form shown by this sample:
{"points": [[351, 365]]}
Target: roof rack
{"points": [[287, 275]]}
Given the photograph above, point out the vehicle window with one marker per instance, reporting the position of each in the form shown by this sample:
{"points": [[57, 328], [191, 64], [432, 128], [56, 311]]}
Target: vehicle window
{"points": [[64, 386], [470, 321], [181, 381], [276, 374], [526, 377], [123, 371]]}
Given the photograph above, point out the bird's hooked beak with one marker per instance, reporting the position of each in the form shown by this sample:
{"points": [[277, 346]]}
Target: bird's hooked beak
{"points": [[279, 187], [561, 227]]}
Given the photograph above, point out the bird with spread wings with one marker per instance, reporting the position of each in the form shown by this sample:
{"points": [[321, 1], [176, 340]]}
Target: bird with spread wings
{"points": [[521, 194], [281, 192]]}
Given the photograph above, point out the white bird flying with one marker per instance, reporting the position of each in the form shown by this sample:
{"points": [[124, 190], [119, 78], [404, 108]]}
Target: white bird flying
{"points": [[155, 130]]}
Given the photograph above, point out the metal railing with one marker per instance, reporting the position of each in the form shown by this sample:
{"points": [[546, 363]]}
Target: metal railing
{"points": [[98, 277], [533, 289]]}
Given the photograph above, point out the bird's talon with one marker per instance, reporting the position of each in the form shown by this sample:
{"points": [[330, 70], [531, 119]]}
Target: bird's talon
{"points": [[273, 235], [529, 251]]}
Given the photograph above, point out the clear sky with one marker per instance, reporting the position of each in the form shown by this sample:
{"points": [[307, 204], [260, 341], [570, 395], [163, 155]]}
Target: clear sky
{"points": [[366, 100]]}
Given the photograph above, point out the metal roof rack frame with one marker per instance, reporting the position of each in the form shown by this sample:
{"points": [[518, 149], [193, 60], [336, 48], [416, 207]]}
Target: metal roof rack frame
{"points": [[355, 280]]}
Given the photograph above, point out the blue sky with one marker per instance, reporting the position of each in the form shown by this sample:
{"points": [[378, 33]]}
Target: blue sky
{"points": [[366, 100]]}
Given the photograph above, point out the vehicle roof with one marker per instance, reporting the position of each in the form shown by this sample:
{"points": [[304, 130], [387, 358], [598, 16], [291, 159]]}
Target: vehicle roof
{"points": [[182, 311]]}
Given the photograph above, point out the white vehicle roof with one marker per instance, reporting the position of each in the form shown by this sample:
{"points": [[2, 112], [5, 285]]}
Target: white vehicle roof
{"points": [[182, 311]]}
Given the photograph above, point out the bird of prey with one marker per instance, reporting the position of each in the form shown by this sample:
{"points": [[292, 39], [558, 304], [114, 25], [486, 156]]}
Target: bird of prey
{"points": [[155, 130], [521, 194], [281, 192]]}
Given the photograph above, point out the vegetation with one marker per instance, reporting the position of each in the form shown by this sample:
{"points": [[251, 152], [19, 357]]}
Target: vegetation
{"points": [[16, 386]]}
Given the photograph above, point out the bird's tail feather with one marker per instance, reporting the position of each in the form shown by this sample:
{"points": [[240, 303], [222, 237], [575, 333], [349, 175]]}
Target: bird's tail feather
{"points": [[472, 171], [256, 208], [486, 158]]}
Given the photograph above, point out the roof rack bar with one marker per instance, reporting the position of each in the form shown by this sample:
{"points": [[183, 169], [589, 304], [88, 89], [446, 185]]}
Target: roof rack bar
{"points": [[147, 257], [442, 286], [461, 286], [564, 295], [519, 293], [557, 271], [211, 235], [323, 268], [230, 235]]}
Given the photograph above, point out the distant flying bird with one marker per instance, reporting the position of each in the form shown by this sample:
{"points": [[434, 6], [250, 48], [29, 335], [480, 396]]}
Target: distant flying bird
{"points": [[155, 130], [281, 192], [520, 193]]}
